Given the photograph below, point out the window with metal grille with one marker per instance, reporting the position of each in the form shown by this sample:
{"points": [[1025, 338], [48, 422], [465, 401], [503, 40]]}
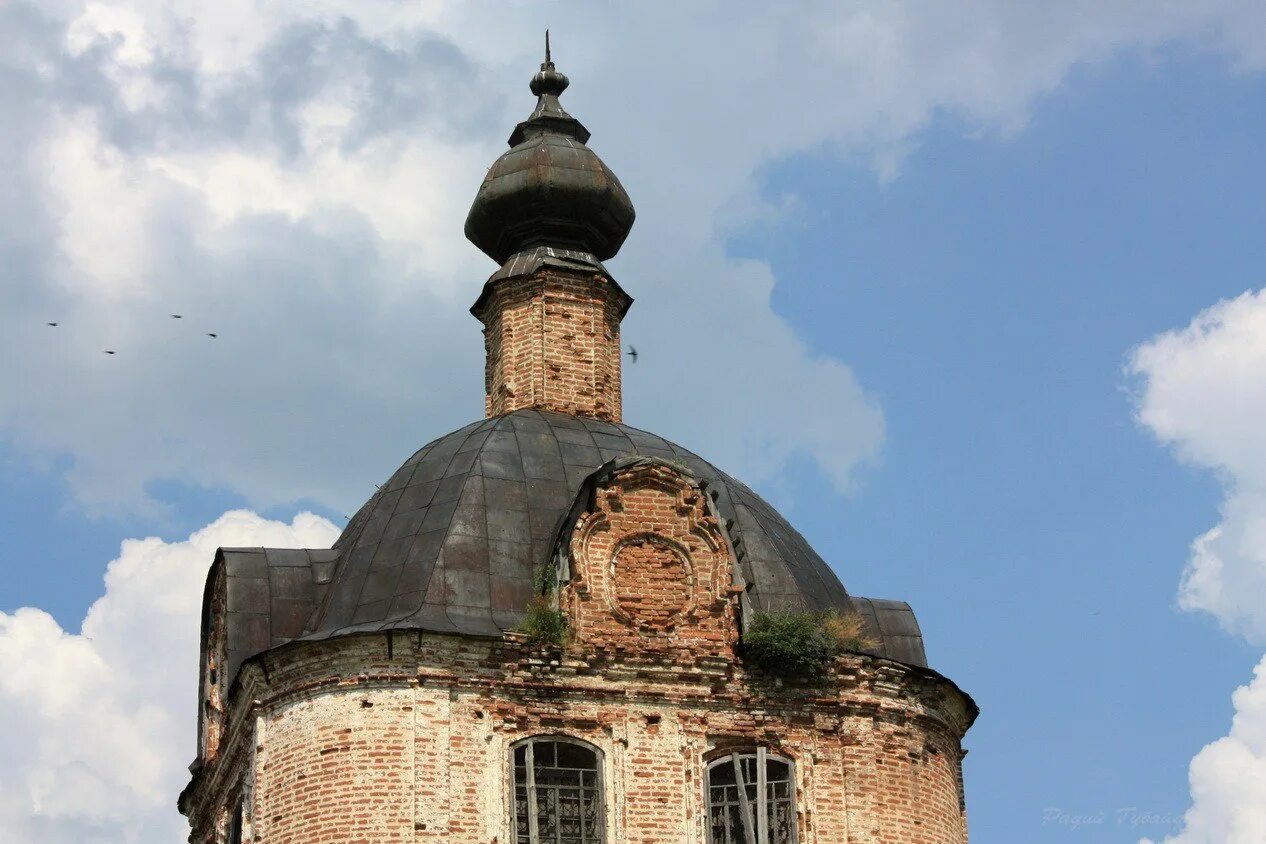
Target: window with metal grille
{"points": [[751, 799], [557, 792]]}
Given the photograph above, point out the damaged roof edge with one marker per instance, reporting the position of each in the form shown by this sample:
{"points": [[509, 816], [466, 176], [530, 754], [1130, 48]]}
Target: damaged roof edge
{"points": [[896, 629], [269, 597], [923, 671]]}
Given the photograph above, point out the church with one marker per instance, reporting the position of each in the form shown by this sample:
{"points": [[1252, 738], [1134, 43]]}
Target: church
{"points": [[550, 626]]}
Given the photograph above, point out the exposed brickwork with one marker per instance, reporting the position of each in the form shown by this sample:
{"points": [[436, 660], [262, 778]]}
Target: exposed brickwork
{"points": [[349, 749], [356, 741], [552, 341], [214, 664], [651, 569], [407, 737]]}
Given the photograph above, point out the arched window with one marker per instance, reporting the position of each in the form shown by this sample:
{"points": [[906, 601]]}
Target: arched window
{"points": [[557, 792], [751, 799]]}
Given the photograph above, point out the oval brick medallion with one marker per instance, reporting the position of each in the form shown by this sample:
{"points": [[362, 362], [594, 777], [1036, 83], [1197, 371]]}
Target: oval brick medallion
{"points": [[650, 580]]}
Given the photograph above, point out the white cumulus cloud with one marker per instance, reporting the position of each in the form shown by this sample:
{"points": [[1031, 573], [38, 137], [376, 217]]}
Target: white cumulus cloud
{"points": [[99, 723], [1228, 777], [294, 176], [1204, 393]]}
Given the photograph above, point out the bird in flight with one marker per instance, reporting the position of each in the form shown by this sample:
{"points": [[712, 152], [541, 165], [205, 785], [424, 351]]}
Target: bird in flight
{"points": [[632, 352], [177, 316], [212, 335], [109, 351], [52, 324]]}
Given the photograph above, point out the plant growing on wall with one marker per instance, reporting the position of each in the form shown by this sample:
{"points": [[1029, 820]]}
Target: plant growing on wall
{"points": [[544, 623], [798, 646]]}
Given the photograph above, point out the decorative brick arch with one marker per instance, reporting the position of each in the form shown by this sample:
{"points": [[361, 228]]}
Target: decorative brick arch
{"points": [[650, 565]]}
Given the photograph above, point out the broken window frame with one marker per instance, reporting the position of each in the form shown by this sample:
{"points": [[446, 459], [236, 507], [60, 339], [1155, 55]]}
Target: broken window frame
{"points": [[532, 793], [754, 816], [236, 822]]}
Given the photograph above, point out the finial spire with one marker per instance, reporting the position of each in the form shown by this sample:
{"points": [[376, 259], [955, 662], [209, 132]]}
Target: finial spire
{"points": [[548, 84]]}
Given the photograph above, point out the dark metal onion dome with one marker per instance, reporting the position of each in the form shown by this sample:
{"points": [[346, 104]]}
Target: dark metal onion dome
{"points": [[549, 189]]}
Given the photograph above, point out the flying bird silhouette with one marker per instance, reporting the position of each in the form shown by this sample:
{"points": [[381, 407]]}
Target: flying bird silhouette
{"points": [[109, 351], [177, 316], [53, 324], [212, 335], [632, 352]]}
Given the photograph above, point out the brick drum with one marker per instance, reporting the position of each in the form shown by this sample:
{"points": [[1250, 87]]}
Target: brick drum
{"points": [[552, 341], [361, 741]]}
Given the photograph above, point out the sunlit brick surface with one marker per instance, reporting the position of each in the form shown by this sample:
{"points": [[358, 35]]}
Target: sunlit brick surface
{"points": [[553, 343], [349, 744], [652, 569]]}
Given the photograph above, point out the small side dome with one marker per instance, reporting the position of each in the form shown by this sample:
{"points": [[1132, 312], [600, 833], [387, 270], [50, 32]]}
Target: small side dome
{"points": [[549, 189]]}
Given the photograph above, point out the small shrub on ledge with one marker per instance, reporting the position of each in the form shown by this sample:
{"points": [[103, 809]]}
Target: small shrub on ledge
{"points": [[798, 646], [544, 624]]}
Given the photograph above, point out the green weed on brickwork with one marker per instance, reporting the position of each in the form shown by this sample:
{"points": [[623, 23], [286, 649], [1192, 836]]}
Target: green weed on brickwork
{"points": [[798, 646], [545, 579], [544, 624]]}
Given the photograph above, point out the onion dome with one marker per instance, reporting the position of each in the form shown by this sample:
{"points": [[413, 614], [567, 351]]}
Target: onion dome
{"points": [[549, 189]]}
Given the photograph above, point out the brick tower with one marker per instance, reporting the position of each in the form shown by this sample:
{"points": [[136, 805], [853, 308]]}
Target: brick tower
{"points": [[548, 626]]}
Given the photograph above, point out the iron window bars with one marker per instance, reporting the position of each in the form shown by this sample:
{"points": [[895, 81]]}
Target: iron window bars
{"points": [[557, 793], [737, 811]]}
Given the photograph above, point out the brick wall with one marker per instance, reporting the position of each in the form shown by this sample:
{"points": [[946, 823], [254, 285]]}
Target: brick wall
{"points": [[213, 683], [355, 740], [552, 341], [651, 569], [347, 750]]}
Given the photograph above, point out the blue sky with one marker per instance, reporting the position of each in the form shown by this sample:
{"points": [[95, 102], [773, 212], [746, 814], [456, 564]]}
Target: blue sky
{"points": [[958, 279], [990, 295]]}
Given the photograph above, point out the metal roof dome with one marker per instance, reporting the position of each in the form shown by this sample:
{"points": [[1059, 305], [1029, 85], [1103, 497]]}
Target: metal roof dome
{"points": [[450, 542], [549, 189]]}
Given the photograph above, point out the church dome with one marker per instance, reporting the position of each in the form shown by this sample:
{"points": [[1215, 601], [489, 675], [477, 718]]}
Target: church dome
{"points": [[451, 541], [549, 189], [416, 649]]}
